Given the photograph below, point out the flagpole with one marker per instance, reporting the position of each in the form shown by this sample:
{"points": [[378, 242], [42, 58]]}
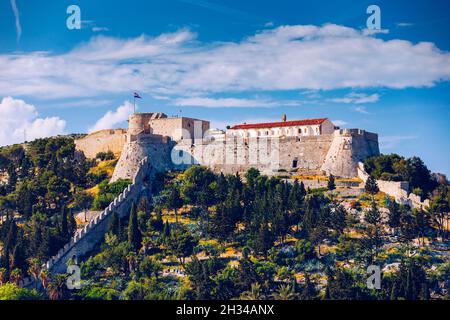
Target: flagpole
{"points": [[134, 103]]}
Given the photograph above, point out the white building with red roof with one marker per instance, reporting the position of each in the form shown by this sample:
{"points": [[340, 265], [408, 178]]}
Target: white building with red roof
{"points": [[295, 128]]}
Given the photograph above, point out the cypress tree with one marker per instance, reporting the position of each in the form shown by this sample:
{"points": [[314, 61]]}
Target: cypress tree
{"points": [[114, 225], [64, 223], [371, 186], [394, 292], [166, 230], [331, 183], [134, 234], [72, 223]]}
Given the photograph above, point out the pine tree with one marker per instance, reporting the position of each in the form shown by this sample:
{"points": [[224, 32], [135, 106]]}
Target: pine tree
{"points": [[174, 201], [331, 183], [134, 234], [394, 216], [374, 220], [371, 186], [309, 291]]}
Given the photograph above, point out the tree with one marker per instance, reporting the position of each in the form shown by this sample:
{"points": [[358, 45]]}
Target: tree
{"points": [[408, 227], [114, 224], [134, 234], [57, 287], [419, 176], [201, 274], [254, 293], [394, 216], [422, 223], [263, 240], [65, 235], [174, 201], [309, 291], [3, 276], [150, 267], [72, 224], [34, 269], [374, 221], [181, 244], [411, 281], [251, 175], [105, 156], [16, 276], [342, 286], [331, 183], [222, 226], [10, 291], [83, 200], [371, 186], [440, 208], [285, 292]]}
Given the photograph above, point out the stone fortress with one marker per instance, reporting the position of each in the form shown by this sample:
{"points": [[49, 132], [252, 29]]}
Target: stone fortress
{"points": [[311, 146], [155, 142]]}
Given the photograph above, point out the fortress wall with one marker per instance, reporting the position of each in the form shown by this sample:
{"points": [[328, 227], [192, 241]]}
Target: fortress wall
{"points": [[267, 154], [397, 189], [157, 151], [86, 239], [177, 128], [166, 127], [89, 237], [102, 141], [349, 147], [337, 154]]}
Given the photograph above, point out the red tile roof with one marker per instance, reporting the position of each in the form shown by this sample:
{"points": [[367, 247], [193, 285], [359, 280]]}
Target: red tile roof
{"points": [[306, 122]]}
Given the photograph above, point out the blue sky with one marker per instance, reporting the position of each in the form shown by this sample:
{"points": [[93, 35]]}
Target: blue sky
{"points": [[230, 62]]}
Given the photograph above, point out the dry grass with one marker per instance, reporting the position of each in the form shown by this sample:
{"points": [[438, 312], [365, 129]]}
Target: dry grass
{"points": [[310, 177], [104, 166], [93, 191]]}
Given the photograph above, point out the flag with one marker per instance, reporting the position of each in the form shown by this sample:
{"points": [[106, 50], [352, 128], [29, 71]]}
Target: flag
{"points": [[137, 96]]}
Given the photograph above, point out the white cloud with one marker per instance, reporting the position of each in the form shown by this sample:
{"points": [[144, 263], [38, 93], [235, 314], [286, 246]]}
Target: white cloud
{"points": [[361, 109], [339, 123], [17, 17], [231, 103], [112, 118], [99, 29], [284, 58], [19, 119], [357, 98], [371, 32], [404, 24], [390, 142]]}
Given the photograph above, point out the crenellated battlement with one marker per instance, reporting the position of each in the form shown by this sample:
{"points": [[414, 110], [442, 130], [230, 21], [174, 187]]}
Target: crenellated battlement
{"points": [[86, 238]]}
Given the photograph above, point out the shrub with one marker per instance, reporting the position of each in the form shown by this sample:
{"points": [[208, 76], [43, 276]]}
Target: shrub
{"points": [[109, 155]]}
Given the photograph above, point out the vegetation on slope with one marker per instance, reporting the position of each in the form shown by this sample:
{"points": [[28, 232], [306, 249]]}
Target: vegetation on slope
{"points": [[209, 236]]}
